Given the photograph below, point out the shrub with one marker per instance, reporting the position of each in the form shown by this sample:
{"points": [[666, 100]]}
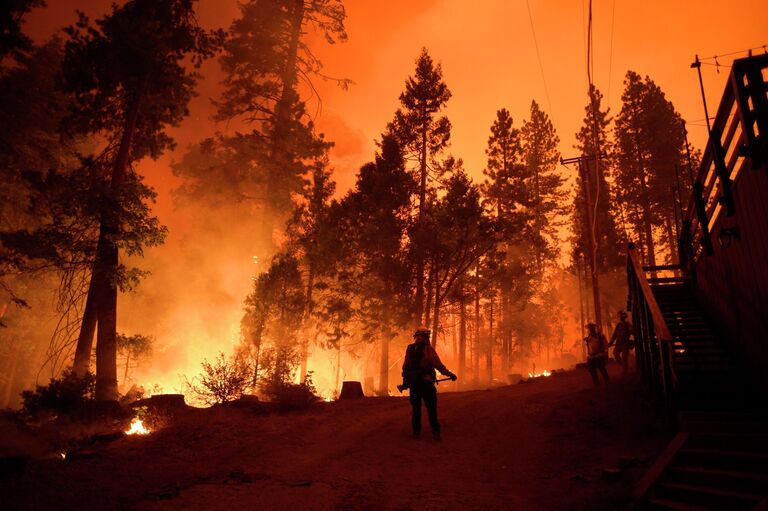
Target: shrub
{"points": [[277, 383], [291, 396], [222, 380], [62, 395]]}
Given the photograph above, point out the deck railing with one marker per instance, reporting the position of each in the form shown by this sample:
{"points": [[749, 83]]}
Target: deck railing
{"points": [[733, 142], [653, 339]]}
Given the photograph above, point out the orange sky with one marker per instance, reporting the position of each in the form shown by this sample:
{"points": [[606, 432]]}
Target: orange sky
{"points": [[489, 61]]}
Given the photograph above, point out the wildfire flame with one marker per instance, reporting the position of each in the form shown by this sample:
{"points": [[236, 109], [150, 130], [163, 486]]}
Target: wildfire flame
{"points": [[539, 375], [137, 428]]}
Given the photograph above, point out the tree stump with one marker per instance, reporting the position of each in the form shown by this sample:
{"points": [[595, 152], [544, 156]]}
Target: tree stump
{"points": [[351, 390]]}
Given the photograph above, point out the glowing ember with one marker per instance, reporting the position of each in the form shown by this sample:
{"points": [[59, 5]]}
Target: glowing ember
{"points": [[539, 375], [137, 428]]}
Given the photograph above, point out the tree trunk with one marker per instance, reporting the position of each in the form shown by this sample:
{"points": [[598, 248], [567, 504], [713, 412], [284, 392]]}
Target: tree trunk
{"points": [[338, 369], [489, 354], [422, 208], [592, 242], [307, 313], [127, 361], [537, 220], [581, 303], [436, 315], [106, 332], [279, 153], [462, 332], [105, 268], [11, 376], [648, 228], [257, 361], [453, 337], [304, 360], [427, 305], [646, 203], [84, 347], [384, 367], [671, 240], [476, 346], [587, 289], [505, 320]]}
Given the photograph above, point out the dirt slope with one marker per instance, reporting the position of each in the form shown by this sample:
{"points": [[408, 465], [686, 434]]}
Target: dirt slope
{"points": [[542, 445]]}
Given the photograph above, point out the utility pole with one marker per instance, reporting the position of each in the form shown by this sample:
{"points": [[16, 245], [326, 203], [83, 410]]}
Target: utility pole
{"points": [[697, 66], [592, 242]]}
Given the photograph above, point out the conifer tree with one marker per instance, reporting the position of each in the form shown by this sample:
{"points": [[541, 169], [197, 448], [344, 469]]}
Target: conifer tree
{"points": [[504, 153], [503, 171], [14, 43], [307, 237], [461, 233], [265, 60], [648, 145], [129, 77], [540, 186], [274, 311], [374, 216], [423, 135], [596, 123]]}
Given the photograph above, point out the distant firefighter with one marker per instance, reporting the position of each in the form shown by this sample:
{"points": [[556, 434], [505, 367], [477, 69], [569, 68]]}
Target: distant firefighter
{"points": [[597, 353], [620, 339], [419, 376]]}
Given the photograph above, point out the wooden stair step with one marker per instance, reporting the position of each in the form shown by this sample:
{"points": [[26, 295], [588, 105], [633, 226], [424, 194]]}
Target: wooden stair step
{"points": [[705, 367], [698, 342], [715, 472], [674, 505], [698, 348], [681, 330], [708, 494], [694, 354], [724, 459], [752, 416]]}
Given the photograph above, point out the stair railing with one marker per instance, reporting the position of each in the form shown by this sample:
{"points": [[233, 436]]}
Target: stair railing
{"points": [[653, 339]]}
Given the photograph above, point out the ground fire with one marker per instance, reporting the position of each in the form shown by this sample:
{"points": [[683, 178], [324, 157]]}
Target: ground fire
{"points": [[137, 428]]}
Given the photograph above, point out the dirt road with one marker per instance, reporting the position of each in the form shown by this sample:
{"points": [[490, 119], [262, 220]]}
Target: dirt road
{"points": [[542, 445]]}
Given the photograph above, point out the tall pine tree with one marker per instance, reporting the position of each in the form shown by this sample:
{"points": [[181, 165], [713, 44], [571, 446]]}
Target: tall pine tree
{"points": [[129, 75], [649, 144], [592, 139], [265, 60], [503, 172], [540, 187], [423, 135]]}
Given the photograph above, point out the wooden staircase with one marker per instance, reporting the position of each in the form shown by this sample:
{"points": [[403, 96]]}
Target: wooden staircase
{"points": [[706, 376], [719, 459], [717, 462]]}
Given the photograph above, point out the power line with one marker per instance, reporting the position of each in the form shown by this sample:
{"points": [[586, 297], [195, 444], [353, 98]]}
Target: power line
{"points": [[610, 55], [763, 47], [538, 56], [584, 31], [590, 57], [594, 243]]}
